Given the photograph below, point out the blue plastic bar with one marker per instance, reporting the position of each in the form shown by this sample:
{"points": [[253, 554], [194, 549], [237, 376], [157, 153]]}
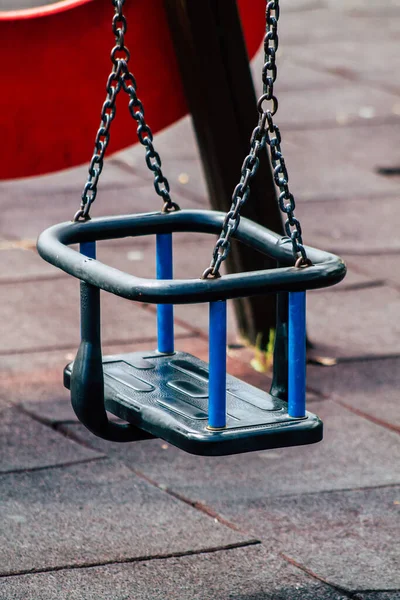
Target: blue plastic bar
{"points": [[165, 312], [217, 366], [88, 249], [297, 354]]}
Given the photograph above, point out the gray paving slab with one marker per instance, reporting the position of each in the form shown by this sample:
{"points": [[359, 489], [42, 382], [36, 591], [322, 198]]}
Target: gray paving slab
{"points": [[355, 278], [344, 233], [192, 254], [181, 163], [179, 137], [384, 265], [133, 255], [342, 104], [28, 444], [356, 60], [53, 412], [240, 574], [49, 202], [380, 596], [371, 387], [96, 513], [315, 158], [184, 173], [239, 480], [340, 162], [349, 539], [47, 315], [368, 6], [68, 183], [366, 322], [321, 22], [17, 264], [31, 377], [292, 75]]}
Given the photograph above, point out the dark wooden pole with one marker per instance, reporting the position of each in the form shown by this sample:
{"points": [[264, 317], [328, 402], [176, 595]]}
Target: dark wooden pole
{"points": [[219, 89]]}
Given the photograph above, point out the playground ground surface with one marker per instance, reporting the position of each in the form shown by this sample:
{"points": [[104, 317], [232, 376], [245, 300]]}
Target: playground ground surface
{"points": [[87, 520]]}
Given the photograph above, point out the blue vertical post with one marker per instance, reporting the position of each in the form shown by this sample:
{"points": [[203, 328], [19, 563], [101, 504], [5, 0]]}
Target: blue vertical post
{"points": [[217, 366], [165, 312], [297, 354], [88, 249]]}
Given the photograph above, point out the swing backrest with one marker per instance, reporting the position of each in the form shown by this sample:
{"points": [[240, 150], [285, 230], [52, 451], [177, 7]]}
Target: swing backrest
{"points": [[57, 58]]}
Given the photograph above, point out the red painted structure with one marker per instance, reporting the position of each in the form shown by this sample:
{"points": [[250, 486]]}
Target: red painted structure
{"points": [[55, 61]]}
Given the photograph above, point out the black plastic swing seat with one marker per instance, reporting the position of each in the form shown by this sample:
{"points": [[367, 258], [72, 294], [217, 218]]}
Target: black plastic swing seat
{"points": [[166, 396]]}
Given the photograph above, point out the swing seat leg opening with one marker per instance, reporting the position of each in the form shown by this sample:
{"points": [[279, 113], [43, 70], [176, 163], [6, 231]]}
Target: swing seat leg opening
{"points": [[166, 395]]}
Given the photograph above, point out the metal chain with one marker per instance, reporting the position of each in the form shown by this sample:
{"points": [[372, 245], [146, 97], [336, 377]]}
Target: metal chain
{"points": [[266, 133], [122, 78]]}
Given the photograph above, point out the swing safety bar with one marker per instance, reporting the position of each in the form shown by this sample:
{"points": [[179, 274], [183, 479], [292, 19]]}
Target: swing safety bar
{"points": [[326, 270]]}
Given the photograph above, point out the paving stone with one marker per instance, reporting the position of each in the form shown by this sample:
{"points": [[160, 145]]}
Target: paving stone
{"points": [[47, 315], [294, 76], [123, 193], [28, 444], [304, 5], [385, 266], [341, 235], [97, 513], [191, 252], [342, 104], [181, 163], [222, 482], [355, 60], [314, 157], [355, 278], [17, 264], [341, 163], [349, 539], [310, 96], [371, 387], [184, 173], [366, 322], [240, 574], [321, 24], [359, 6], [54, 412], [35, 380], [179, 138], [380, 596], [365, 5], [69, 181]]}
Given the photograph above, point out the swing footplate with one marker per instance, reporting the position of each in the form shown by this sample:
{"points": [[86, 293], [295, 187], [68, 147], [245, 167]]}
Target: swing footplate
{"points": [[166, 395]]}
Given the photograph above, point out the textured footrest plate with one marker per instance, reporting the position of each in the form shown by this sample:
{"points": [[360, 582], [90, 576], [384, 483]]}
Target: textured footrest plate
{"points": [[167, 396]]}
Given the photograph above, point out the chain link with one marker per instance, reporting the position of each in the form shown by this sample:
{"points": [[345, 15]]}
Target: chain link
{"points": [[122, 79], [266, 133]]}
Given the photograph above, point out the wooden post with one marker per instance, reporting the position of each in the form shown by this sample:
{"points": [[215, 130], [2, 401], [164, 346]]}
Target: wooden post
{"points": [[212, 57]]}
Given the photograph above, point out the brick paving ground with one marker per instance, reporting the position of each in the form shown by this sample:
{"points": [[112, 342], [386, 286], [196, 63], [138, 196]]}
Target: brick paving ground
{"points": [[84, 519]]}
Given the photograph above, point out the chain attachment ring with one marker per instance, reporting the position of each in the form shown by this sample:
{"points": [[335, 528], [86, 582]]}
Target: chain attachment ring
{"points": [[208, 274], [302, 263], [171, 207]]}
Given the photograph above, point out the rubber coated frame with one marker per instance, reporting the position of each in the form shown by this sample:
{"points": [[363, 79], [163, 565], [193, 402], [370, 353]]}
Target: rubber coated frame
{"points": [[326, 270]]}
